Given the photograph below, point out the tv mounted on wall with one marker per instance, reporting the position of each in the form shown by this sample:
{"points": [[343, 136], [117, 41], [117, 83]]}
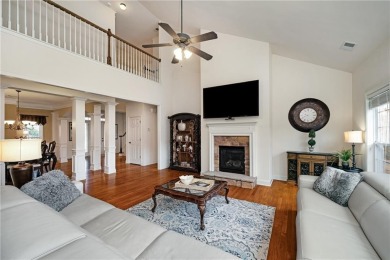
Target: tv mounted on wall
{"points": [[233, 100]]}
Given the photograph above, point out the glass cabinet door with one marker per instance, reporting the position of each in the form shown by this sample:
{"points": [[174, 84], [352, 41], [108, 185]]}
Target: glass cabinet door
{"points": [[185, 142]]}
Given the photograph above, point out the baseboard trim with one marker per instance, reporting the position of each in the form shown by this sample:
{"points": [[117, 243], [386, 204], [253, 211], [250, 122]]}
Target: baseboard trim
{"points": [[264, 182], [280, 177]]}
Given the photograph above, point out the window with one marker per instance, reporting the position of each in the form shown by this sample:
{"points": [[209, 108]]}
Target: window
{"points": [[379, 129], [33, 130]]}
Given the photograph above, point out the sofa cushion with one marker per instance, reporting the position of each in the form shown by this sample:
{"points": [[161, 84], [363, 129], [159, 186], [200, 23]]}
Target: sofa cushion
{"points": [[362, 198], [308, 199], [379, 181], [375, 223], [172, 245], [337, 185], [306, 181], [124, 231], [53, 189], [11, 197], [86, 248], [84, 209], [31, 230], [322, 237]]}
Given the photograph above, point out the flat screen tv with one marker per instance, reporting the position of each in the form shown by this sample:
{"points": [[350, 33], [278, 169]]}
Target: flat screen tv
{"points": [[233, 100]]}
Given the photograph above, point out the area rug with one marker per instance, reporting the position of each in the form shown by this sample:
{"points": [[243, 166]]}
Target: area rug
{"points": [[241, 228]]}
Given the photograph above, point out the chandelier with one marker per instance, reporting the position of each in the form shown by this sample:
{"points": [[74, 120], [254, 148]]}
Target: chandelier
{"points": [[18, 124]]}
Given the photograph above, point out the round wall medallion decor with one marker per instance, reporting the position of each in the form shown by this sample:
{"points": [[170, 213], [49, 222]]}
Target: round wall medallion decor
{"points": [[309, 113]]}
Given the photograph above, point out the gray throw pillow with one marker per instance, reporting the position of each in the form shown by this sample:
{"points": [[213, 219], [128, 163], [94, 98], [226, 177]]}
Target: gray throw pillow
{"points": [[53, 189], [337, 185]]}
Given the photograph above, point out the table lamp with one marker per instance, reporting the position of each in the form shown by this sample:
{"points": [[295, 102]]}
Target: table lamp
{"points": [[20, 150], [354, 137]]}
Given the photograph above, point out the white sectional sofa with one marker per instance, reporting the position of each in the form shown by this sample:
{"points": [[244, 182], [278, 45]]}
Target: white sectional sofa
{"points": [[326, 230], [88, 228]]}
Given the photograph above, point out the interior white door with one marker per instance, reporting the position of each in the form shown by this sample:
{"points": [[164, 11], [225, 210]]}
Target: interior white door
{"points": [[135, 139]]}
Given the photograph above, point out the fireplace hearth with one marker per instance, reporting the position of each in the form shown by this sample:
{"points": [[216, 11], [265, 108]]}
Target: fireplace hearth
{"points": [[232, 159]]}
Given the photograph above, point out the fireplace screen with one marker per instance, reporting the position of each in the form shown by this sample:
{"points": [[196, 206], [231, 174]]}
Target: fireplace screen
{"points": [[232, 159]]}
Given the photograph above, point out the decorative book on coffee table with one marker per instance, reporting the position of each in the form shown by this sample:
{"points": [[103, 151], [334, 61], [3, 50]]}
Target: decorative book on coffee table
{"points": [[196, 184]]}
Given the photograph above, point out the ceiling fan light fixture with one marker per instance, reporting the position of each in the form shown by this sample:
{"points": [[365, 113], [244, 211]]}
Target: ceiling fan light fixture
{"points": [[122, 6], [183, 41], [187, 54], [178, 53]]}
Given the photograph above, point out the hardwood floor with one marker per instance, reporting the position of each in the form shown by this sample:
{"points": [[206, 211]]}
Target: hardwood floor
{"points": [[133, 184]]}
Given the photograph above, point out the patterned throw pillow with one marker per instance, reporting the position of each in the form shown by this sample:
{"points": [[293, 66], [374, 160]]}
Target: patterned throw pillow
{"points": [[337, 185], [53, 189]]}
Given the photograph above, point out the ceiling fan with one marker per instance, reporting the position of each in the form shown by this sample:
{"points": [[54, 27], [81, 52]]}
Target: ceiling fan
{"points": [[184, 41]]}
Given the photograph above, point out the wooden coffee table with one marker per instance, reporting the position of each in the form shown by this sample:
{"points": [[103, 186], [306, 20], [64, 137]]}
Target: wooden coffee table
{"points": [[195, 196]]}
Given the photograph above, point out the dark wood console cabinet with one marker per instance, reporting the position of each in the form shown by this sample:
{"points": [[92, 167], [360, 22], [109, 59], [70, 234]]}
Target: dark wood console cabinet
{"points": [[185, 142], [307, 163]]}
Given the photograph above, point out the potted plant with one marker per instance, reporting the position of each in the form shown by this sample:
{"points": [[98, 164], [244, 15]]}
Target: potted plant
{"points": [[345, 155], [312, 142]]}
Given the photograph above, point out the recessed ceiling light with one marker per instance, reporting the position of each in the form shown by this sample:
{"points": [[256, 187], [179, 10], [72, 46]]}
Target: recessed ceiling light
{"points": [[122, 6]]}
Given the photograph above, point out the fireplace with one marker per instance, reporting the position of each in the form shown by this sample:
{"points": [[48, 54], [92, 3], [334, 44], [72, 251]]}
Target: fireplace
{"points": [[232, 159]]}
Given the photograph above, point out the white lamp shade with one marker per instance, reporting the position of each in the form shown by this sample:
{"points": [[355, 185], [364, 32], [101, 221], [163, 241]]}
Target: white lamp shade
{"points": [[353, 137], [187, 54], [178, 54], [19, 150]]}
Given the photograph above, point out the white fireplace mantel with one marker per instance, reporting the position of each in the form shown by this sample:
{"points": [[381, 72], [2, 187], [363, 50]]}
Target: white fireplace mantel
{"points": [[234, 129]]}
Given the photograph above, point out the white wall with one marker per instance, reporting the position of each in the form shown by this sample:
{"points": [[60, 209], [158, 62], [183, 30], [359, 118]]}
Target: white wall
{"points": [[148, 115], [149, 134], [101, 15], [31, 60], [186, 84], [239, 59], [369, 76], [293, 80]]}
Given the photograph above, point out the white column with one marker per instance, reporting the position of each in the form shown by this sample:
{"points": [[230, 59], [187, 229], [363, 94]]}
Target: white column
{"points": [[79, 167], [2, 115], [127, 137], [55, 130], [63, 139], [96, 138], [109, 138]]}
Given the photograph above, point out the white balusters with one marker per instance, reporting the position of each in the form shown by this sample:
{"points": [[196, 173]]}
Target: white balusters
{"points": [[33, 19], [47, 36], [25, 17], [60, 28]]}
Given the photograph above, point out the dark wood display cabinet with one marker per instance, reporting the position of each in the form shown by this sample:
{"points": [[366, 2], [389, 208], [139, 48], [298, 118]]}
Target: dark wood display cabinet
{"points": [[185, 142], [306, 163]]}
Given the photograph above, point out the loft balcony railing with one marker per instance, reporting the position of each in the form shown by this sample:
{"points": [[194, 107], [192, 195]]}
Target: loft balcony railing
{"points": [[53, 24]]}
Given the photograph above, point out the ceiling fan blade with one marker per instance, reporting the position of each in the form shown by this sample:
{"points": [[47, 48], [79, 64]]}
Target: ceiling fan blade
{"points": [[169, 30], [200, 53], [156, 45], [174, 60], [204, 37]]}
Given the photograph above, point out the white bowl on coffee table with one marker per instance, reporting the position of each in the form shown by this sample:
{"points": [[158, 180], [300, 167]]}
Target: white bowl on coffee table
{"points": [[186, 179]]}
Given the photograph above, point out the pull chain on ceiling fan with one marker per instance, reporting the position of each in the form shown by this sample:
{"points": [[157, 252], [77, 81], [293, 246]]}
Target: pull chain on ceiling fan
{"points": [[183, 41]]}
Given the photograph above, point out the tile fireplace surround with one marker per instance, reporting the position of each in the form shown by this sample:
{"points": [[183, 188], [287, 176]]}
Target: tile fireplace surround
{"points": [[236, 134], [242, 141]]}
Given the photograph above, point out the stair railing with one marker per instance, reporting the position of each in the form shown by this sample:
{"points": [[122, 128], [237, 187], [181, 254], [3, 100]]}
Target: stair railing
{"points": [[53, 24]]}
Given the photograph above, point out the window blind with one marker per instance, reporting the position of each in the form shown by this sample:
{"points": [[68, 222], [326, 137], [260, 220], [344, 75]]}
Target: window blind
{"points": [[379, 98]]}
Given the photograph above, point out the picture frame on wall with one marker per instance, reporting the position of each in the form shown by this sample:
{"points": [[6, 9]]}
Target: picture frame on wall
{"points": [[70, 131], [116, 131]]}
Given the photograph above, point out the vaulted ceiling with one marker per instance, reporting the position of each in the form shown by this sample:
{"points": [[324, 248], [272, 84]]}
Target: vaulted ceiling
{"points": [[311, 31]]}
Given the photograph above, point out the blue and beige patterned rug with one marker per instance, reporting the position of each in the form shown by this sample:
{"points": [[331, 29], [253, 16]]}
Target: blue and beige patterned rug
{"points": [[241, 228]]}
